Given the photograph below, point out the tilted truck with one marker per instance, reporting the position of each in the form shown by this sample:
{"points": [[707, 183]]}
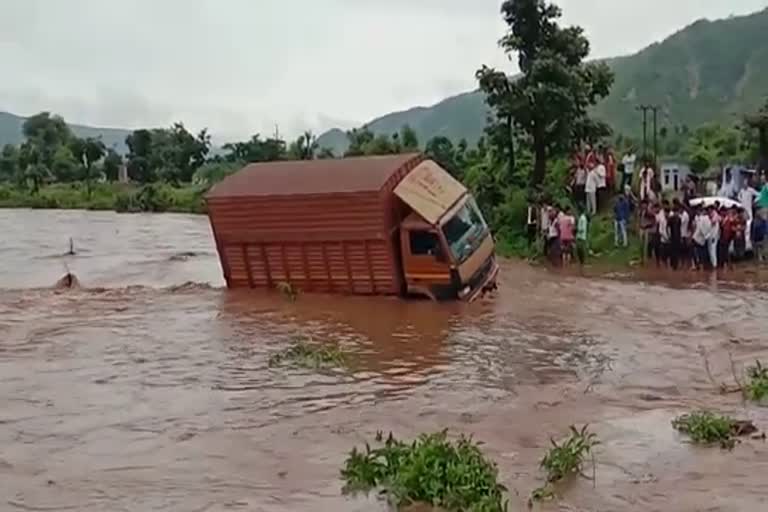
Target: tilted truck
{"points": [[381, 225]]}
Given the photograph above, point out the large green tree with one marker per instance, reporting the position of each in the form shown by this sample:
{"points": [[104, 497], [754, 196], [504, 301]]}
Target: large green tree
{"points": [[549, 100], [255, 150], [88, 151], [111, 165]]}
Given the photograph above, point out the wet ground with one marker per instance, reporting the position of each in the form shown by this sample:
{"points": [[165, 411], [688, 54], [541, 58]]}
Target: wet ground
{"points": [[148, 388]]}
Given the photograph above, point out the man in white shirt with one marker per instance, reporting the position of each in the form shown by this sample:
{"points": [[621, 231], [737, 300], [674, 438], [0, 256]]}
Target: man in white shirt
{"points": [[591, 190], [747, 198], [728, 187], [629, 167], [602, 182], [685, 232], [714, 235], [663, 234], [701, 234], [646, 183]]}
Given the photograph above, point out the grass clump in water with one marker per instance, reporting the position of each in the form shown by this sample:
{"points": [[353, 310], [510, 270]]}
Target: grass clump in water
{"points": [[565, 459], [311, 355], [756, 387], [704, 427], [433, 470]]}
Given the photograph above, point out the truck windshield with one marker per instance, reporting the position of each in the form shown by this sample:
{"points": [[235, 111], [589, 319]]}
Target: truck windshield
{"points": [[465, 230]]}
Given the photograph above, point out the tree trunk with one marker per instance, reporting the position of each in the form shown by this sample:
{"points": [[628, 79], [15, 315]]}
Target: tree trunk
{"points": [[88, 180], [510, 146], [539, 156]]}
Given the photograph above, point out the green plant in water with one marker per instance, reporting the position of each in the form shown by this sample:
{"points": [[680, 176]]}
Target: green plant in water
{"points": [[453, 475], [564, 459], [308, 354], [704, 427], [756, 387]]}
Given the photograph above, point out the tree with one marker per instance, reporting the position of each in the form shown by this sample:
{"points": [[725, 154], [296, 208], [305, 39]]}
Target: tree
{"points": [[88, 151], [33, 170], [255, 150], [759, 122], [550, 100], [441, 150], [65, 166], [409, 141], [111, 165], [304, 148], [359, 139], [9, 163], [139, 144], [46, 133]]}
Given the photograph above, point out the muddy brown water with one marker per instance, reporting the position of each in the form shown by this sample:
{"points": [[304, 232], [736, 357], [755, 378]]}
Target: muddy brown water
{"points": [[148, 387]]}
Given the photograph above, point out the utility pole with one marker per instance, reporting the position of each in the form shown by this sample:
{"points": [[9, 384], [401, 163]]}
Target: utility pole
{"points": [[655, 110], [644, 109]]}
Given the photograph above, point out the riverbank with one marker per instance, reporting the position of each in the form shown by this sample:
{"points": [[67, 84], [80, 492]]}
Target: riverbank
{"points": [[117, 197], [602, 251]]}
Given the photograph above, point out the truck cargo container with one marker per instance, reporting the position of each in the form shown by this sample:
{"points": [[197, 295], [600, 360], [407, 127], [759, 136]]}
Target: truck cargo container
{"points": [[380, 225]]}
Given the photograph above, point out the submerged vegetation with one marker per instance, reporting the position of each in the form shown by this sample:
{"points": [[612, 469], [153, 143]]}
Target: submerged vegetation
{"points": [[311, 355], [565, 459], [705, 427], [756, 387], [434, 470]]}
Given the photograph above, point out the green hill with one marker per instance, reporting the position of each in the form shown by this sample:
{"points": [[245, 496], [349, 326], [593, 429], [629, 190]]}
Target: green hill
{"points": [[711, 71], [10, 132]]}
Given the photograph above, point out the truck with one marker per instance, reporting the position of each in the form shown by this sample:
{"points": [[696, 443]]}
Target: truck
{"points": [[378, 225]]}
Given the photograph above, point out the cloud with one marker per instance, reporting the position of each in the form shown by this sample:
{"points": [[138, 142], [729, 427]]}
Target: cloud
{"points": [[241, 66]]}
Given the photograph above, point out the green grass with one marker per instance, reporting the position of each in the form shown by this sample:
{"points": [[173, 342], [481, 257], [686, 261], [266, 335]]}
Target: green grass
{"points": [[433, 470], [308, 354], [565, 459], [106, 196], [756, 387], [704, 427]]}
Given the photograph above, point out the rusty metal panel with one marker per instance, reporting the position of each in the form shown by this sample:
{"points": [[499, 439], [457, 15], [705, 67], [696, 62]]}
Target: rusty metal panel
{"points": [[301, 177]]}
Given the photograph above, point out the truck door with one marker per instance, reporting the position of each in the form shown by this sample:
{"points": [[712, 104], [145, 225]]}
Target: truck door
{"points": [[425, 264]]}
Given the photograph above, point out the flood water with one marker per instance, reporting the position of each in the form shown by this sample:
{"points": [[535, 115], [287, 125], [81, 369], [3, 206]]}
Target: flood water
{"points": [[149, 389]]}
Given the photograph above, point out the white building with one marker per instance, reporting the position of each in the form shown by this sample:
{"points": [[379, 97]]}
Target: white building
{"points": [[672, 175]]}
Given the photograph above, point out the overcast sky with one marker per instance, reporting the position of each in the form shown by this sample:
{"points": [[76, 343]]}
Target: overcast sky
{"points": [[241, 66]]}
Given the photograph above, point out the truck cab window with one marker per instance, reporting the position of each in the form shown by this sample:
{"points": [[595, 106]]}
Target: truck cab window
{"points": [[424, 243]]}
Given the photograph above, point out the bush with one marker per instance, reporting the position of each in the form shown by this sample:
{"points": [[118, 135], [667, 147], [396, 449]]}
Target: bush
{"points": [[431, 470], [756, 388], [704, 427]]}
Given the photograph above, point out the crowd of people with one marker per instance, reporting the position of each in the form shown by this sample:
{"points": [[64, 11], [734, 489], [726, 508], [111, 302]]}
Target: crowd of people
{"points": [[678, 231]]}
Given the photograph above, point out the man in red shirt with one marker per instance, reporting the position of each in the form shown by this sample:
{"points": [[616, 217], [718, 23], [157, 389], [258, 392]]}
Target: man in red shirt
{"points": [[590, 160], [610, 167], [728, 226]]}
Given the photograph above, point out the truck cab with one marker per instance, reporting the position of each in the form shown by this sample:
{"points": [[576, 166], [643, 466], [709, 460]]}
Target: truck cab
{"points": [[446, 246]]}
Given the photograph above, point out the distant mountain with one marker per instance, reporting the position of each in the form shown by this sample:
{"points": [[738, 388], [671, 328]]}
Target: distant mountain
{"points": [[710, 71], [10, 133]]}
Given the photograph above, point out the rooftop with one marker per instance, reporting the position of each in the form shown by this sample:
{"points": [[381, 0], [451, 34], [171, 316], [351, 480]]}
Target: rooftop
{"points": [[359, 174]]}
